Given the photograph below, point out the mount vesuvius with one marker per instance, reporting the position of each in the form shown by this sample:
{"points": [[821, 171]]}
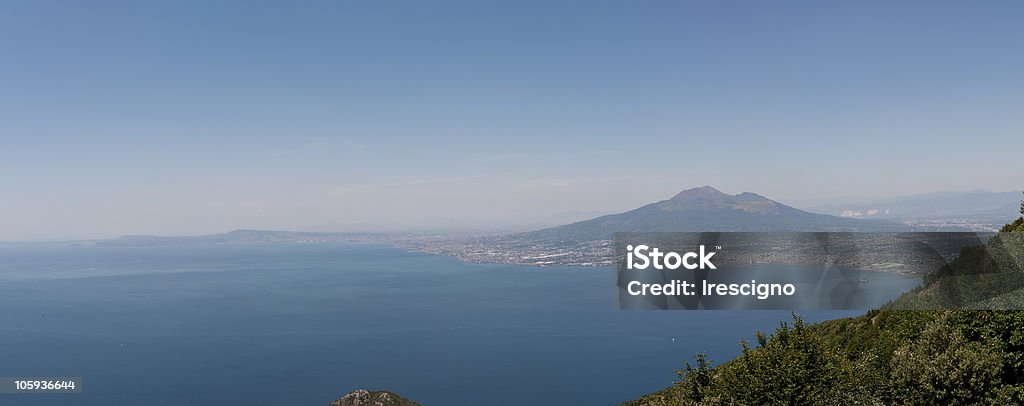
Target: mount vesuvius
{"points": [[708, 209]]}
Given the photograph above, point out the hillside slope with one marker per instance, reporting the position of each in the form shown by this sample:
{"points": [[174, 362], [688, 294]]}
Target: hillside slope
{"points": [[888, 356]]}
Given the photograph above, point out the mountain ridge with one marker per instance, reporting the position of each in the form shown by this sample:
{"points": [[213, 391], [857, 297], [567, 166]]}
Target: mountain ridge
{"points": [[978, 203], [706, 208]]}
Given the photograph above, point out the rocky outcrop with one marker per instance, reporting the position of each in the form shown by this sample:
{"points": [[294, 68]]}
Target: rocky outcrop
{"points": [[363, 397]]}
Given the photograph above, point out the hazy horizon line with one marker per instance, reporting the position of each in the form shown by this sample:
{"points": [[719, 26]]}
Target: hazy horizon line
{"points": [[493, 227]]}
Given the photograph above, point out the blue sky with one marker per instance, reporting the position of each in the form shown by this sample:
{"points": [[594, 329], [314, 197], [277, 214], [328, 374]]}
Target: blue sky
{"points": [[193, 117]]}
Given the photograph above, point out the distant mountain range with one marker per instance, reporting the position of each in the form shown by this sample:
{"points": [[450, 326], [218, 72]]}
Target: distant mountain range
{"points": [[979, 205], [698, 209], [708, 209], [240, 237]]}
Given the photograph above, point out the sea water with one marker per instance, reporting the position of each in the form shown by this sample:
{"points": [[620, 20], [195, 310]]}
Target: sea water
{"points": [[302, 324]]}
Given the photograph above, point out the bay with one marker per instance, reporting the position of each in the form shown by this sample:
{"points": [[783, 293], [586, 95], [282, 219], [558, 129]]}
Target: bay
{"points": [[298, 324]]}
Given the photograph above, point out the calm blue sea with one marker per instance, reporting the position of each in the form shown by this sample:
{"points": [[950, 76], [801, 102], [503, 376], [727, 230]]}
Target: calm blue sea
{"points": [[303, 324]]}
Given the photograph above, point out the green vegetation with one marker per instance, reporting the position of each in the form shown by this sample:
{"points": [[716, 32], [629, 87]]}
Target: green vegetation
{"points": [[888, 356]]}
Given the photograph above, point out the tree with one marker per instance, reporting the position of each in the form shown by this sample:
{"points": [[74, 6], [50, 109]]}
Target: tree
{"points": [[696, 381], [943, 367]]}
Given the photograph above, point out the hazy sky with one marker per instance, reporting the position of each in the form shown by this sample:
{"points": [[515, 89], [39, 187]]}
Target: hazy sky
{"points": [[181, 117]]}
